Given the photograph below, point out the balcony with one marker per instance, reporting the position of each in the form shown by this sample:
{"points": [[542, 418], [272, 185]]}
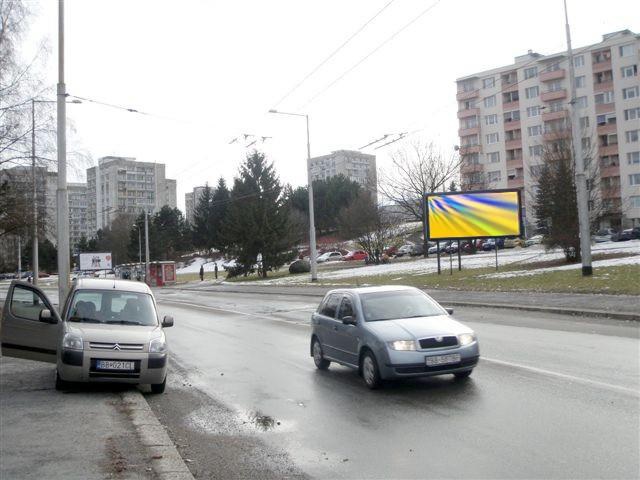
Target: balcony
{"points": [[548, 116], [610, 171], [607, 128], [509, 87], [607, 150], [470, 167], [611, 192], [556, 135], [603, 87], [514, 163], [469, 112], [508, 106], [470, 149], [557, 95], [512, 125], [463, 132], [605, 108], [467, 95], [554, 75], [517, 182], [513, 144], [601, 66]]}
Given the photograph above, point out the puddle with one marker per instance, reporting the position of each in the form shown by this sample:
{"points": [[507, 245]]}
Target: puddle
{"points": [[261, 421], [217, 421]]}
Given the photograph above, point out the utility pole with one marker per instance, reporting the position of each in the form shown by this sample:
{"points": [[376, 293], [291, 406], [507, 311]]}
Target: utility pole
{"points": [[312, 226], [34, 250], [146, 246], [19, 258], [578, 162], [61, 193]]}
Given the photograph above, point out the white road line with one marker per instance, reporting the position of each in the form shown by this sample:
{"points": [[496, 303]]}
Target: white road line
{"points": [[563, 375]]}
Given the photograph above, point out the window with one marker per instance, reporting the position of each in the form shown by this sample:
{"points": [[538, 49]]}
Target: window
{"points": [[607, 118], [632, 136], [530, 72], [493, 176], [632, 113], [492, 138], [610, 139], [330, 305], [535, 130], [472, 159], [603, 56], [630, 71], [584, 122], [554, 86], [346, 309], [634, 179], [632, 92], [604, 97], [578, 61], [556, 106], [489, 82], [603, 77], [466, 86], [510, 97], [512, 116], [26, 303], [467, 104], [532, 92], [580, 81], [490, 101], [491, 119], [494, 157], [552, 67], [586, 143], [509, 78], [609, 161], [535, 151], [626, 50], [633, 158], [470, 122], [533, 111]]}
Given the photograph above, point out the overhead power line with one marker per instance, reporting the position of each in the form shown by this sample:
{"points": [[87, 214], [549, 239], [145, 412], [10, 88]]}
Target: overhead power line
{"points": [[332, 54]]}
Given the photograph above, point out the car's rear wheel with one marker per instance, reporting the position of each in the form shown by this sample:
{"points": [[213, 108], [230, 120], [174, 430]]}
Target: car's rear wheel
{"points": [[462, 375], [370, 372], [159, 387], [318, 358]]}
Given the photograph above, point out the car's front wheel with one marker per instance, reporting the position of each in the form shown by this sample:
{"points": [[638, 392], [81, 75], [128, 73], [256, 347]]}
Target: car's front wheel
{"points": [[60, 383], [370, 372], [159, 387], [318, 358], [462, 375]]}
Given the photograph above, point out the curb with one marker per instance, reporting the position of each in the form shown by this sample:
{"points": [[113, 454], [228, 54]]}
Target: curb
{"points": [[167, 462], [632, 317]]}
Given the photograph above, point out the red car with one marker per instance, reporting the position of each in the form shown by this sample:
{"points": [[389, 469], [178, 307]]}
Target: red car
{"points": [[355, 255]]}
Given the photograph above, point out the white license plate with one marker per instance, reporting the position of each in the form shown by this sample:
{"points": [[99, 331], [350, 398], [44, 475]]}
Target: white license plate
{"points": [[436, 360], [114, 365]]}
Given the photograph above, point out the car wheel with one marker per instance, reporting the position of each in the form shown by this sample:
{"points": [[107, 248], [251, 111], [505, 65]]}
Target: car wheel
{"points": [[61, 384], [463, 375], [159, 387], [318, 359], [370, 372]]}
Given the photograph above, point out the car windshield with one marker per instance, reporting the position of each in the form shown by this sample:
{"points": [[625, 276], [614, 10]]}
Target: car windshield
{"points": [[378, 306], [112, 307]]}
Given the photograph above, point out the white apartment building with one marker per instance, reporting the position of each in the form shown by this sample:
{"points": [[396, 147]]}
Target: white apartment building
{"points": [[124, 185], [78, 225], [356, 166], [508, 113], [191, 200]]}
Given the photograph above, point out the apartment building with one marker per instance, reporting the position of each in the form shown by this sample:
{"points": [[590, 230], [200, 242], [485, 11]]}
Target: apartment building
{"points": [[123, 185], [356, 166], [78, 224], [191, 200], [508, 114]]}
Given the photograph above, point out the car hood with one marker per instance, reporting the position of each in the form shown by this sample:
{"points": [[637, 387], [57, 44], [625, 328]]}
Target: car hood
{"points": [[415, 328], [94, 332]]}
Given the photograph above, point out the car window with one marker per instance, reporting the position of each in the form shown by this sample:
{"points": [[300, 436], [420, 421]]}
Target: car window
{"points": [[330, 306], [117, 307], [346, 309], [389, 305], [27, 303]]}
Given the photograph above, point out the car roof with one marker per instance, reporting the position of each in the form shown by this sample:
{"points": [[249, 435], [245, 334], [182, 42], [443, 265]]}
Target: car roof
{"points": [[376, 289], [111, 284]]}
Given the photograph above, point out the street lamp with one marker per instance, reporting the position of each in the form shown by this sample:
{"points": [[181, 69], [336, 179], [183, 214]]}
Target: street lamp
{"points": [[312, 227], [139, 245]]}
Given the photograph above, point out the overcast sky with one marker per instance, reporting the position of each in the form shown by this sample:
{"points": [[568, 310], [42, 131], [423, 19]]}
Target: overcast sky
{"points": [[210, 70]]}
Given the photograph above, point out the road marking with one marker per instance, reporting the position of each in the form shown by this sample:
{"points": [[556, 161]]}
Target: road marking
{"points": [[563, 375]]}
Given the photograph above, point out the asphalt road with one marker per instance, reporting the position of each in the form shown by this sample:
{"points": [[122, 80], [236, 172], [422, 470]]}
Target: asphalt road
{"points": [[554, 396]]}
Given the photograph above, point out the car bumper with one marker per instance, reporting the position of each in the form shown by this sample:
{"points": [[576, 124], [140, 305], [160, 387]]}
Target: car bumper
{"points": [[413, 364], [80, 366]]}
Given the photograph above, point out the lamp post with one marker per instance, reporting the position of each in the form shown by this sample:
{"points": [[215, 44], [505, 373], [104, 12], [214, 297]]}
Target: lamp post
{"points": [[139, 245], [312, 227]]}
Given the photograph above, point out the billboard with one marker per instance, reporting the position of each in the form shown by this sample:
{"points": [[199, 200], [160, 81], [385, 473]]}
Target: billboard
{"points": [[482, 214], [95, 261]]}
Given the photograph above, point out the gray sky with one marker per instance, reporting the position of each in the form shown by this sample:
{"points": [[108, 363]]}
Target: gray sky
{"points": [[210, 70]]}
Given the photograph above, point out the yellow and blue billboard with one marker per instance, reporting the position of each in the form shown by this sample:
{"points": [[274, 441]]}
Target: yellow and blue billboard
{"points": [[486, 214]]}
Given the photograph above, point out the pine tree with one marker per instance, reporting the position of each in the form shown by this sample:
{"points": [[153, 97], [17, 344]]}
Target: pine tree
{"points": [[218, 215], [202, 232]]}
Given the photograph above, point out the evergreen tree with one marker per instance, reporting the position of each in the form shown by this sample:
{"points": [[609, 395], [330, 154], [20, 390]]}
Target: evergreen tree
{"points": [[218, 215], [202, 231]]}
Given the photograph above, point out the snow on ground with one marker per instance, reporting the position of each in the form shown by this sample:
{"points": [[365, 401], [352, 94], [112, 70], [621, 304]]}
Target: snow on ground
{"points": [[209, 265], [480, 260]]}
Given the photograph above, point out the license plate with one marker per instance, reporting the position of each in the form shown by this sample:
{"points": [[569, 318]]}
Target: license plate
{"points": [[114, 365], [436, 360]]}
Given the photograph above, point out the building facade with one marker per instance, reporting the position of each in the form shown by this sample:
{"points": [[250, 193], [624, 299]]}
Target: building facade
{"points": [[78, 224], [123, 185], [509, 115], [191, 200], [356, 166]]}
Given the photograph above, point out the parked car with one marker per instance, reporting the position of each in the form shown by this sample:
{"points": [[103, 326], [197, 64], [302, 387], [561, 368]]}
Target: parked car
{"points": [[108, 331], [391, 332], [390, 251], [417, 249], [490, 243], [404, 250], [355, 255], [443, 247], [604, 235], [535, 240], [511, 242], [635, 233], [622, 236], [329, 257]]}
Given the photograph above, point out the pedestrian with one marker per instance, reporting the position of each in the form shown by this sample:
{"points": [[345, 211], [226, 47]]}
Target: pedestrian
{"points": [[215, 270], [201, 273]]}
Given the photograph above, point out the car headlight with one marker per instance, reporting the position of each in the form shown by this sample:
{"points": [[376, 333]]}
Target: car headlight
{"points": [[403, 345], [158, 345], [72, 341], [466, 338]]}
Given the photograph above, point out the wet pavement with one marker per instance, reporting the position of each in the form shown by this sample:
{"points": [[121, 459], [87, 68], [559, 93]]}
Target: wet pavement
{"points": [[554, 396]]}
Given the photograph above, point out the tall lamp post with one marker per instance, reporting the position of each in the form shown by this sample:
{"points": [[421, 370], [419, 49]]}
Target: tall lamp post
{"points": [[139, 245], [312, 227]]}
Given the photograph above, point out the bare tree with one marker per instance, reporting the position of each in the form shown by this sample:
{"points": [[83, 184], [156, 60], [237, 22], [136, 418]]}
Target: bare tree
{"points": [[417, 170]]}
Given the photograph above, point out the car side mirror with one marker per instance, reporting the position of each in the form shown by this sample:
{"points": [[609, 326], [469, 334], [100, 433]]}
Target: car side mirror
{"points": [[349, 320], [449, 311], [167, 321], [45, 316]]}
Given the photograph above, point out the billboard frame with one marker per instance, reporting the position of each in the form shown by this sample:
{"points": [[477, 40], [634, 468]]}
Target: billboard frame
{"points": [[94, 269], [499, 190]]}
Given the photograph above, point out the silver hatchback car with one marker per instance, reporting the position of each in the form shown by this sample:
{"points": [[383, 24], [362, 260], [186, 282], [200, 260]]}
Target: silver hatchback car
{"points": [[107, 331], [391, 332]]}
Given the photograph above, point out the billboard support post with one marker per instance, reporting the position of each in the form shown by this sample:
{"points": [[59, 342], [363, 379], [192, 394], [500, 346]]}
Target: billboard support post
{"points": [[496, 245], [438, 254], [450, 262], [459, 257]]}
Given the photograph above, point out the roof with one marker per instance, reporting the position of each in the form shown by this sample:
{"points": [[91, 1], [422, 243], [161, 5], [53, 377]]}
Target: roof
{"points": [[380, 288], [110, 284]]}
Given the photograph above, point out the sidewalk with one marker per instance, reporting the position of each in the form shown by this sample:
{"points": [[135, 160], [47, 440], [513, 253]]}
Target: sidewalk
{"points": [[624, 307], [90, 433]]}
